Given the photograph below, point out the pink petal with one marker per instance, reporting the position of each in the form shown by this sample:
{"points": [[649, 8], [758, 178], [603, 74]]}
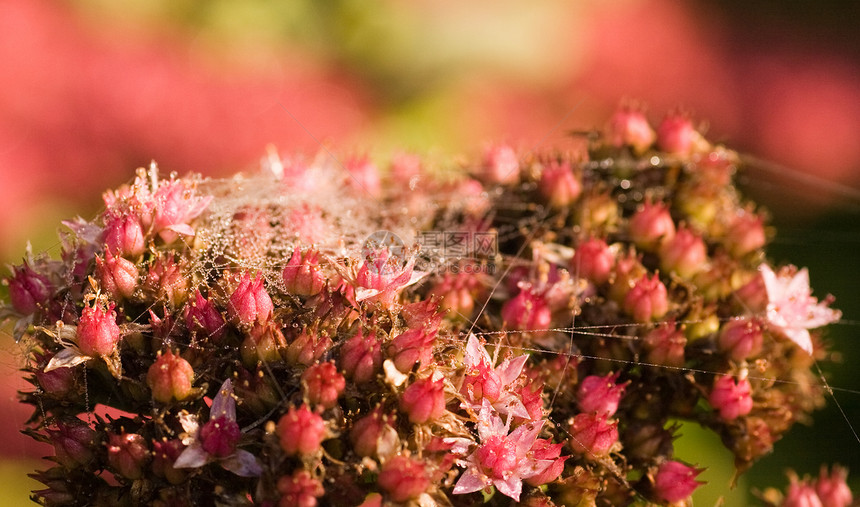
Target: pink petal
{"points": [[799, 336], [512, 487], [469, 482], [475, 352], [510, 369], [192, 457], [224, 405], [243, 464]]}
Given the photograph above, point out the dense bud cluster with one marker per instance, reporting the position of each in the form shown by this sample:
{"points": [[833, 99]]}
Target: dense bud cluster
{"points": [[529, 329]]}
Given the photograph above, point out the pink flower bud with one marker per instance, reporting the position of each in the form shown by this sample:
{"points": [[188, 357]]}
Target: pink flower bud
{"points": [[403, 478], [752, 296], [651, 225], [323, 384], [74, 443], [164, 455], [501, 165], [542, 450], [167, 281], [832, 488], [411, 347], [372, 432], [123, 235], [301, 431], [559, 185], [647, 300], [665, 345], [482, 381], [116, 275], [219, 436], [28, 290], [55, 383], [592, 260], [675, 481], [127, 454], [302, 276], [424, 400], [527, 311], [593, 435], [745, 234], [308, 347], [203, 319], [170, 378], [731, 397], [457, 291], [98, 332], [264, 342], [250, 302], [685, 254], [742, 338], [629, 127], [361, 357], [801, 494], [676, 135], [600, 394], [299, 490]]}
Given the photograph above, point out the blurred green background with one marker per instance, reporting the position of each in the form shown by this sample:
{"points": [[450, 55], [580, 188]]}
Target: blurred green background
{"points": [[92, 89]]}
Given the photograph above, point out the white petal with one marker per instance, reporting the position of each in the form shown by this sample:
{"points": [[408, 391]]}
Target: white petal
{"points": [[469, 482], [66, 358], [511, 487], [801, 337], [192, 457]]}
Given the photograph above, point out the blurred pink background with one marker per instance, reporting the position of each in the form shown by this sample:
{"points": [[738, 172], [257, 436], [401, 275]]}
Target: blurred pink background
{"points": [[89, 92]]}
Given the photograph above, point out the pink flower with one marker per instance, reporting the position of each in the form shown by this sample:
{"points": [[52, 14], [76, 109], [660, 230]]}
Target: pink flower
{"points": [[128, 454], [250, 302], [123, 235], [217, 439], [301, 431], [593, 435], [203, 319], [381, 278], [685, 253], [403, 478], [832, 488], [600, 394], [323, 384], [732, 398], [424, 399], [801, 494], [501, 459], [675, 481], [527, 311], [647, 300], [542, 450], [650, 225], [676, 135], [629, 127], [742, 338], [28, 290], [374, 434], [175, 205], [301, 275], [665, 344], [559, 185], [592, 260], [299, 490], [117, 275], [493, 384], [170, 378], [791, 309], [98, 332], [361, 356]]}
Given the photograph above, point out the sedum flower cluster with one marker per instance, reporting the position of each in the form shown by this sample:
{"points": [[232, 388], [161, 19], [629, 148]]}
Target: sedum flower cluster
{"points": [[528, 327]]}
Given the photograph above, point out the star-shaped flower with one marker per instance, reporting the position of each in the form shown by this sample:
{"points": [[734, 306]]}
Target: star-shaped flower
{"points": [[791, 309], [494, 384], [217, 439]]}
